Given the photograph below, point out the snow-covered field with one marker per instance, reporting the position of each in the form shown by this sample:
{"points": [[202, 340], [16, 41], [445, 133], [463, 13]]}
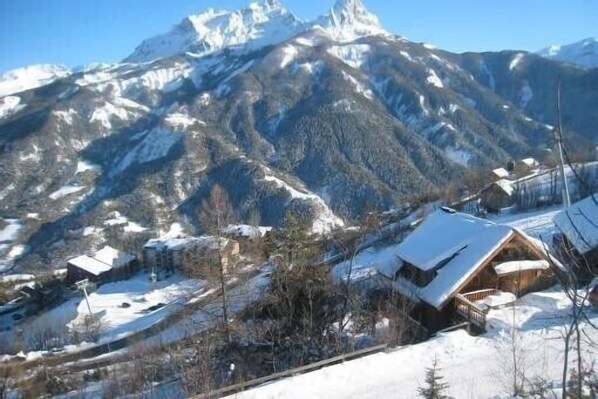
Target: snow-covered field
{"points": [[146, 304], [474, 367], [537, 223]]}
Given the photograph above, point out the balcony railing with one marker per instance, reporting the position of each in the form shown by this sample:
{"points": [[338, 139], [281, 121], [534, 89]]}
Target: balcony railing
{"points": [[472, 313], [475, 296]]}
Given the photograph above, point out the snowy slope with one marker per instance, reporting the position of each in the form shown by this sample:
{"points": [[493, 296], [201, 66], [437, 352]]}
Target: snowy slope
{"points": [[258, 25], [474, 367], [583, 53], [30, 77]]}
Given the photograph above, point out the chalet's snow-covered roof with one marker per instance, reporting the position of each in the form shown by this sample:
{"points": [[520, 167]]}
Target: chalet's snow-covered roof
{"points": [[90, 265], [580, 224], [520, 265], [113, 257], [463, 241], [501, 172], [443, 234]]}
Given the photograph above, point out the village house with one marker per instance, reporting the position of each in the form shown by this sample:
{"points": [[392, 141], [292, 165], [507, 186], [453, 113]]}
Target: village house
{"points": [[455, 267], [578, 238], [497, 195], [108, 264], [497, 174], [523, 167], [249, 237], [203, 252]]}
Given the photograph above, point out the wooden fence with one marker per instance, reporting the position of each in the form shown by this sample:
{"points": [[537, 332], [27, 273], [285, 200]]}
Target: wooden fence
{"points": [[299, 370]]}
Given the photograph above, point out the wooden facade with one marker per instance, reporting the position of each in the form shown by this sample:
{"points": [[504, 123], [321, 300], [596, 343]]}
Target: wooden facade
{"points": [[485, 281]]}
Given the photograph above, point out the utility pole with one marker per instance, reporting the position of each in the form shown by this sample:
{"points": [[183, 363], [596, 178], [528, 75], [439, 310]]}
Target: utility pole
{"points": [[82, 286], [558, 135]]}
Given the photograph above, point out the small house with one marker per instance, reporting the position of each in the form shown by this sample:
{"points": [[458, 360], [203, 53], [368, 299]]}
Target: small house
{"points": [[523, 166], [108, 264], [578, 228], [497, 195], [455, 267], [498, 173]]}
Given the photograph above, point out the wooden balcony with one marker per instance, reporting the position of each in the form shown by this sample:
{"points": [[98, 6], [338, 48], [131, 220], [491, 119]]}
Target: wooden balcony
{"points": [[465, 306], [479, 295]]}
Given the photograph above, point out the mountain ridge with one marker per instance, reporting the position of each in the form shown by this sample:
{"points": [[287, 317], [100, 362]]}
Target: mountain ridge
{"points": [[583, 53]]}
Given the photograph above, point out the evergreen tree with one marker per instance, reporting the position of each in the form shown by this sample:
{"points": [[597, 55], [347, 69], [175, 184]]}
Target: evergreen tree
{"points": [[434, 388]]}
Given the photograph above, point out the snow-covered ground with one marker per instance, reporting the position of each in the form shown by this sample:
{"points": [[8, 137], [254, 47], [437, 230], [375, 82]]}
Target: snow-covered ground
{"points": [[64, 191], [536, 223], [11, 230], [10, 105], [474, 367], [140, 294], [146, 304]]}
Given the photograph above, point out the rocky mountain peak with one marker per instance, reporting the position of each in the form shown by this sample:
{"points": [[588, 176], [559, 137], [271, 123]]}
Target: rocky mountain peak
{"points": [[351, 11], [259, 24], [349, 19]]}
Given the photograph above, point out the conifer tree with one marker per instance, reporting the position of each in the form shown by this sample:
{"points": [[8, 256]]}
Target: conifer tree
{"points": [[434, 387]]}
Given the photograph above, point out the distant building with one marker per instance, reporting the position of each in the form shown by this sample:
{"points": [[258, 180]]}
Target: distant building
{"points": [[108, 264], [497, 195], [456, 266], [498, 173], [523, 166], [177, 253], [578, 227]]}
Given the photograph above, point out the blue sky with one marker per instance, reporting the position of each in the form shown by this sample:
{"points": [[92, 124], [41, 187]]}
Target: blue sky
{"points": [[75, 32]]}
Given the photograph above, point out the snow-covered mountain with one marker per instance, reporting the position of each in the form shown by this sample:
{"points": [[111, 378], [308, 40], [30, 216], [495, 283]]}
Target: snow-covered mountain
{"points": [[324, 118], [583, 53], [30, 77], [349, 20], [258, 25]]}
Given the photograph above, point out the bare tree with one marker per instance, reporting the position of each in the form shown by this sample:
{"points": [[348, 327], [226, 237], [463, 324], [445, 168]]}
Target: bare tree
{"points": [[215, 213]]}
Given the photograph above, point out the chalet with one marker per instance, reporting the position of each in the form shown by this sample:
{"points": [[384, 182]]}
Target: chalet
{"points": [[456, 266], [172, 253], [108, 264], [497, 195], [578, 227]]}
